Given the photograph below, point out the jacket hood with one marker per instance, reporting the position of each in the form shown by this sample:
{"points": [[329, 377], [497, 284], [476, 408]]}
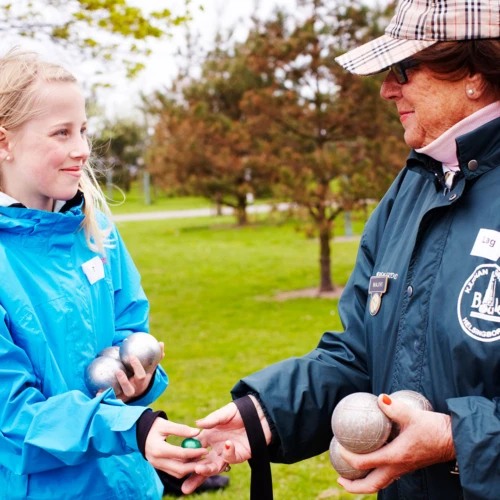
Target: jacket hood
{"points": [[21, 220]]}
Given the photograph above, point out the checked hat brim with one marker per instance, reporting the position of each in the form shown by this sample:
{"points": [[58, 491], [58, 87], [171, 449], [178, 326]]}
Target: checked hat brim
{"points": [[418, 24], [376, 56]]}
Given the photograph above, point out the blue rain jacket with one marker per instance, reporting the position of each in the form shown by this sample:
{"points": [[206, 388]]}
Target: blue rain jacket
{"points": [[58, 441], [437, 331]]}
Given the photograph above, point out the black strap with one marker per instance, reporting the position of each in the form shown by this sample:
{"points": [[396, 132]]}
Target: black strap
{"points": [[261, 482]]}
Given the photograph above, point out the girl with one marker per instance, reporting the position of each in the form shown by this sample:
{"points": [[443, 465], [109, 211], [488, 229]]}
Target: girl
{"points": [[68, 289]]}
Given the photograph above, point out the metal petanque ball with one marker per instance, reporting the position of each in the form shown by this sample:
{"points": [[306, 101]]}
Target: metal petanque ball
{"points": [[110, 352], [359, 424], [192, 443], [114, 352], [342, 467], [101, 374], [414, 400], [145, 347]]}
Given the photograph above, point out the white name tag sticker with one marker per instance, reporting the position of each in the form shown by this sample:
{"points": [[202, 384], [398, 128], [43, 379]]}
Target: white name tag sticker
{"points": [[94, 270], [487, 245]]}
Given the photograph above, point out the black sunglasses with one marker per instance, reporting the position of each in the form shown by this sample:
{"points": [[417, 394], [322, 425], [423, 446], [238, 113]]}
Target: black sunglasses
{"points": [[399, 69]]}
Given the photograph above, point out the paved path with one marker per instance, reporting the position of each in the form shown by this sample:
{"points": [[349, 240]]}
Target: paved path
{"points": [[210, 212], [197, 212]]}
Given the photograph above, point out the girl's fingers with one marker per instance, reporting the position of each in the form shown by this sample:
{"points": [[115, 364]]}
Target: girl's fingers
{"points": [[139, 372], [167, 428], [127, 387], [178, 453], [159, 451], [174, 467]]}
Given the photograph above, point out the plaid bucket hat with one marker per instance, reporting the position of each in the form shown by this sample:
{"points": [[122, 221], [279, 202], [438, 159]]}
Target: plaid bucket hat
{"points": [[418, 24]]}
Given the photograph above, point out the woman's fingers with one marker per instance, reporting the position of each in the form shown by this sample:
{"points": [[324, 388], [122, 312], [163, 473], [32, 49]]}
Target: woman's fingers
{"points": [[229, 452], [375, 481], [221, 416], [397, 410], [210, 465], [192, 482]]}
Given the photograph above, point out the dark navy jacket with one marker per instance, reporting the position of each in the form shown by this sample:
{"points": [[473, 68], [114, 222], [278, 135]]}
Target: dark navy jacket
{"points": [[437, 331]]}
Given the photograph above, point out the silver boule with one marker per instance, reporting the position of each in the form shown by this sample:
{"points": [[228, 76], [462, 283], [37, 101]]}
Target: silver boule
{"points": [[110, 352], [414, 400], [342, 467], [145, 347], [101, 374], [359, 424], [114, 352]]}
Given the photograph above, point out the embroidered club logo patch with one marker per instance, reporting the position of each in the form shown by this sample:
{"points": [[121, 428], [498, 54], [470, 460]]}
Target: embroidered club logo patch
{"points": [[479, 304]]}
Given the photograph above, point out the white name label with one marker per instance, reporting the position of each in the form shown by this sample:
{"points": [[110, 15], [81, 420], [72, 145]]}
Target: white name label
{"points": [[487, 245], [94, 270]]}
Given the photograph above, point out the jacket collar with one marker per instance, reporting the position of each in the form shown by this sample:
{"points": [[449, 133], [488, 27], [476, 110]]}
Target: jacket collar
{"points": [[59, 206], [478, 152]]}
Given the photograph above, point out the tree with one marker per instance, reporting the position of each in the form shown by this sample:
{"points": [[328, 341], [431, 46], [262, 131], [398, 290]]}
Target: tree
{"points": [[202, 142], [330, 128], [278, 102], [121, 145], [107, 29]]}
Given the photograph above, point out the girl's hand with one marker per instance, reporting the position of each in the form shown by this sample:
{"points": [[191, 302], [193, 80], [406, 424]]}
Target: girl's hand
{"points": [[135, 386], [226, 435], [425, 439], [174, 460]]}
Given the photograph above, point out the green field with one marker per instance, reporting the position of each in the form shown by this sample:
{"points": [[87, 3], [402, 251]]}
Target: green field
{"points": [[134, 201], [212, 302]]}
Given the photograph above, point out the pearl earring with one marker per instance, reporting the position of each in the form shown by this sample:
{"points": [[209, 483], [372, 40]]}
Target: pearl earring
{"points": [[470, 92], [8, 158]]}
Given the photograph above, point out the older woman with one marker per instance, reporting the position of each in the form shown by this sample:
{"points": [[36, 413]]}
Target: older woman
{"points": [[433, 243]]}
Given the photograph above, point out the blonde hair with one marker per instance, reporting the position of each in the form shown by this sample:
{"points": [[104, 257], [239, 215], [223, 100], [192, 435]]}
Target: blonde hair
{"points": [[19, 74]]}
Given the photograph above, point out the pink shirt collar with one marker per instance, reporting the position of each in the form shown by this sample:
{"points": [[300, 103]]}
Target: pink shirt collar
{"points": [[444, 148]]}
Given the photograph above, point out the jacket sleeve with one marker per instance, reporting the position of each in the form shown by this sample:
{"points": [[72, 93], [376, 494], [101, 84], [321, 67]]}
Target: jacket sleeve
{"points": [[476, 435], [39, 433], [131, 309], [300, 394]]}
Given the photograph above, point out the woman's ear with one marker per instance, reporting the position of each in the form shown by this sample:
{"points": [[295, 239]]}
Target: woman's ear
{"points": [[475, 86]]}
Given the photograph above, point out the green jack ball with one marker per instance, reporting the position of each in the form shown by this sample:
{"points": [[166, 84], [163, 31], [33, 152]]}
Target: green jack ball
{"points": [[191, 443]]}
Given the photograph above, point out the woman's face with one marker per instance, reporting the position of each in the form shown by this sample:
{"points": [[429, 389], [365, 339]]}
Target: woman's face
{"points": [[427, 106], [49, 150]]}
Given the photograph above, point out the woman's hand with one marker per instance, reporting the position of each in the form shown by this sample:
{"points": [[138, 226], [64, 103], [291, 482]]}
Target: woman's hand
{"points": [[174, 460], [135, 386], [226, 435], [425, 439]]}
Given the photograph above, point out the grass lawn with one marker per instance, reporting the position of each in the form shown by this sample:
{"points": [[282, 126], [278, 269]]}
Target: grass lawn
{"points": [[134, 201], [210, 291]]}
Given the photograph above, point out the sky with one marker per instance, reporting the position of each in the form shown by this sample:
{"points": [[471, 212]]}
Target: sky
{"points": [[162, 65]]}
